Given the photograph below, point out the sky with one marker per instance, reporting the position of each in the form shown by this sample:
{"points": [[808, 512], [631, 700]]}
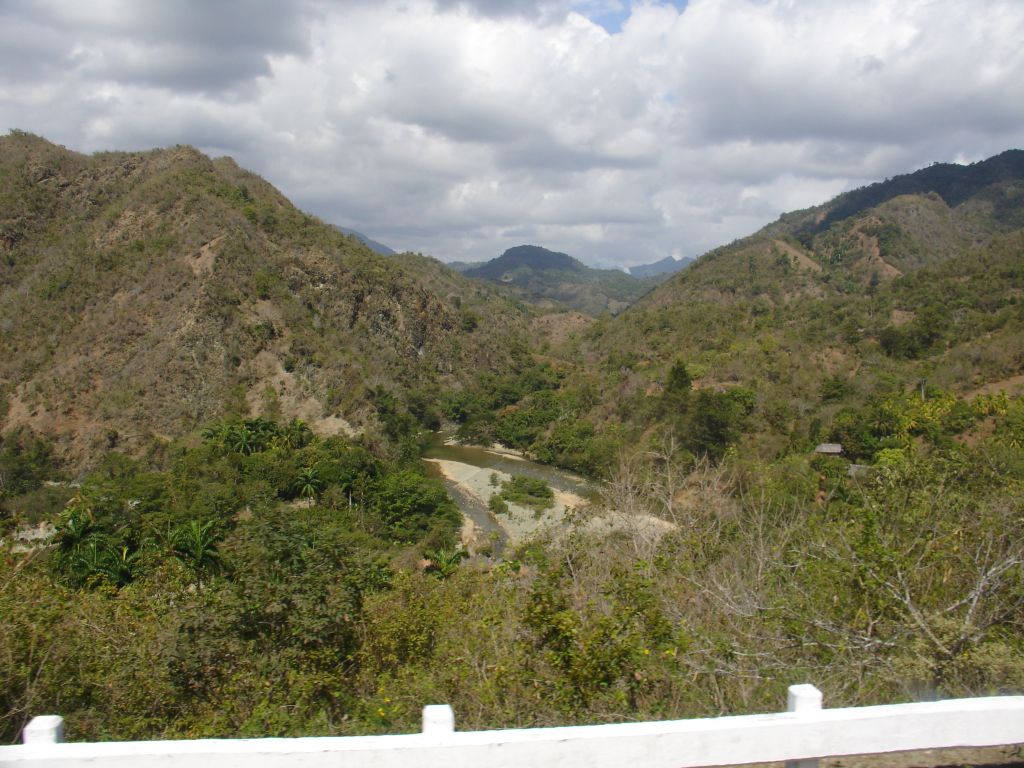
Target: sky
{"points": [[618, 132]]}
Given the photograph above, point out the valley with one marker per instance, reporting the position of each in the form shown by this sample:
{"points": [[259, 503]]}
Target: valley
{"points": [[301, 486]]}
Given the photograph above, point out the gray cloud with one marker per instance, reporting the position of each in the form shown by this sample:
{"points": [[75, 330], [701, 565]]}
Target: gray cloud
{"points": [[462, 128], [188, 45], [544, 11]]}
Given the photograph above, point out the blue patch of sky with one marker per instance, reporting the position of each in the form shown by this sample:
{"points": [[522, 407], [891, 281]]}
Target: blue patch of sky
{"points": [[612, 14]]}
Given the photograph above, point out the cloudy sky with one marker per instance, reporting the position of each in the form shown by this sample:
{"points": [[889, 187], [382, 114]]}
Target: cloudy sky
{"points": [[617, 131]]}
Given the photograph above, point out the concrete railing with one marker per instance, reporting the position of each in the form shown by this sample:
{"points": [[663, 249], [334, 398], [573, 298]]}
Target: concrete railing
{"points": [[804, 733]]}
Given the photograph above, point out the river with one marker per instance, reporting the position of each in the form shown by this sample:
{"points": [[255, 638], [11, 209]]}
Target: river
{"points": [[467, 473]]}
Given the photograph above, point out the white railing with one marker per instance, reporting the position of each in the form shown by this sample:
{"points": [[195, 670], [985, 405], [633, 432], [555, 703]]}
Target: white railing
{"points": [[804, 733]]}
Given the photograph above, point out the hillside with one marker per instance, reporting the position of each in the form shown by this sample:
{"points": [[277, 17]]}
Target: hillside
{"points": [[723, 559], [553, 279], [785, 336], [954, 184], [911, 288], [145, 294]]}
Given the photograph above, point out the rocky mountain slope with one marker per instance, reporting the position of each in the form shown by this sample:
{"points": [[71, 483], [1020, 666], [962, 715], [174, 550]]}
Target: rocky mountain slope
{"points": [[143, 294]]}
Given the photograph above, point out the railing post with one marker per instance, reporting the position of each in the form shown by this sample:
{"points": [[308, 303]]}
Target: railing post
{"points": [[438, 719], [44, 729], [803, 698]]}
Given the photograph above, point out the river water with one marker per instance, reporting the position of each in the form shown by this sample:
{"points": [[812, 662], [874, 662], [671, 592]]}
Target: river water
{"points": [[474, 507]]}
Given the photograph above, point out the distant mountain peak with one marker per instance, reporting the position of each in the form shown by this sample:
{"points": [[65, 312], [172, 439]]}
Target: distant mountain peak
{"points": [[373, 245], [544, 276], [666, 266], [528, 257]]}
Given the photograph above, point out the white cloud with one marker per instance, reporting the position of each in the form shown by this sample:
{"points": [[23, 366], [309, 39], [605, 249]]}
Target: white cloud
{"points": [[462, 128]]}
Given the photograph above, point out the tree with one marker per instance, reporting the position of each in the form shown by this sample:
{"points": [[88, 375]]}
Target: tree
{"points": [[309, 483], [296, 434], [195, 545], [675, 396], [410, 506], [715, 421], [444, 561]]}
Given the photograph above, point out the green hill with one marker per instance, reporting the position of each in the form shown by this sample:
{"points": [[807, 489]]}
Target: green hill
{"points": [[955, 184], [553, 279], [911, 288], [145, 294]]}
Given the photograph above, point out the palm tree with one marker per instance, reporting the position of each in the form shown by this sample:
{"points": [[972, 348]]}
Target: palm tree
{"points": [[444, 561], [118, 566], [88, 563], [263, 431], [240, 439], [77, 522], [297, 434], [219, 434], [195, 545], [309, 483]]}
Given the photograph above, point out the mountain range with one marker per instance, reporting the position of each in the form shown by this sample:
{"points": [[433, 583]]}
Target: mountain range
{"points": [[664, 267], [147, 293], [373, 245], [168, 321], [915, 279]]}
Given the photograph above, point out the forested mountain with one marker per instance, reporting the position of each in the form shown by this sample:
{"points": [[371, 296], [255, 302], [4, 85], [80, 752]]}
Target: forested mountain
{"points": [[549, 278], [144, 294], [783, 331], [955, 184], [909, 289], [276, 581]]}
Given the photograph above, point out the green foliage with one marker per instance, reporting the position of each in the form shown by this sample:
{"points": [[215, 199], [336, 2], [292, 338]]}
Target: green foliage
{"points": [[917, 338], [579, 446], [195, 545], [895, 421], [25, 461], [409, 507], [715, 420], [596, 654], [444, 561], [528, 491], [309, 483], [264, 576], [835, 388], [497, 504], [675, 396]]}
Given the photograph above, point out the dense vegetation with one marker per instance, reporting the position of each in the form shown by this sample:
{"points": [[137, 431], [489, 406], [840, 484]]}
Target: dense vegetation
{"points": [[202, 598], [249, 574], [266, 593]]}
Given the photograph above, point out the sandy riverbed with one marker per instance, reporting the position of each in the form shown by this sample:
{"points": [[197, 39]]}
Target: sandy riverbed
{"points": [[521, 522]]}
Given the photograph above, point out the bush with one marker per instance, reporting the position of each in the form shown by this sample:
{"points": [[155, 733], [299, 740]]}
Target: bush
{"points": [[528, 492], [497, 504]]}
